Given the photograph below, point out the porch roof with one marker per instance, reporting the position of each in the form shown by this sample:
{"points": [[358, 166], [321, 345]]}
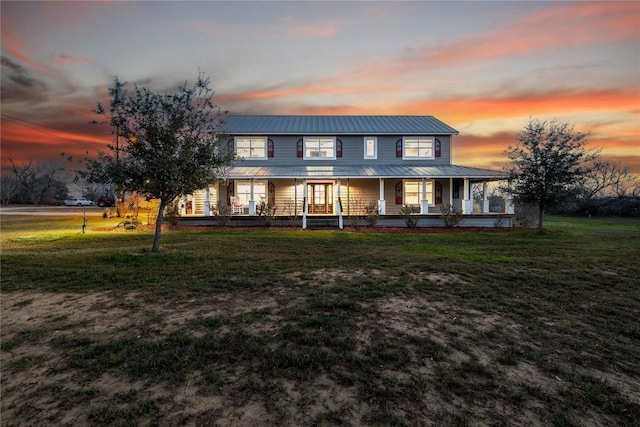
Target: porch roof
{"points": [[377, 171]]}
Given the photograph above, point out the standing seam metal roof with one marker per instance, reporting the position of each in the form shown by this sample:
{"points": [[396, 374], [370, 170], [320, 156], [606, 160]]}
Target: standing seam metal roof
{"points": [[381, 171], [336, 125]]}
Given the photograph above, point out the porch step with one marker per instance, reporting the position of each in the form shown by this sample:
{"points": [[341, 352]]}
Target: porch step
{"points": [[318, 223]]}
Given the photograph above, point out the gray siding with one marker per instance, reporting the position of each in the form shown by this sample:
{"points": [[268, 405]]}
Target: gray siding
{"points": [[285, 152]]}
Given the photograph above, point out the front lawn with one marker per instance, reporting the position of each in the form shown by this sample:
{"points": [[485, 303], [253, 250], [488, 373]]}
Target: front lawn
{"points": [[292, 327]]}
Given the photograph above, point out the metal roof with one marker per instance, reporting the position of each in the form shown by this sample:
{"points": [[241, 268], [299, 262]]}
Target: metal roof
{"points": [[336, 125], [381, 171]]}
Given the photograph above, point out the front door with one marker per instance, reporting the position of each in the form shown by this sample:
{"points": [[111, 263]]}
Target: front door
{"points": [[320, 198]]}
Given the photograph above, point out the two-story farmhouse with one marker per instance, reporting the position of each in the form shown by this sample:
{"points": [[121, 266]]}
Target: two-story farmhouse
{"points": [[338, 166]]}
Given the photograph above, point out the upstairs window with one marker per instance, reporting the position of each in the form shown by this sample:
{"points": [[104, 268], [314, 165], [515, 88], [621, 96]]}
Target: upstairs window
{"points": [[418, 148], [370, 147], [251, 148], [322, 148]]}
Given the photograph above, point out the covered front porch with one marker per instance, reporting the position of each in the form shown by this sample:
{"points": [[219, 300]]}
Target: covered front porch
{"points": [[348, 192]]}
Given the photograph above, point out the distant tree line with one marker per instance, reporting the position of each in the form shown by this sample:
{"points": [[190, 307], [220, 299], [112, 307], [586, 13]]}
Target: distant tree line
{"points": [[608, 189], [44, 183], [33, 183]]}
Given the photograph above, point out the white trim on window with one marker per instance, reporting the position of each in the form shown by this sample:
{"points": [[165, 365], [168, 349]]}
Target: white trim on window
{"points": [[251, 147], [370, 147], [418, 147], [243, 190], [319, 148], [412, 192]]}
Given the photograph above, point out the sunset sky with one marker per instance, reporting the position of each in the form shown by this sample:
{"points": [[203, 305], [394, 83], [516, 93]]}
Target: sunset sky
{"points": [[485, 68]]}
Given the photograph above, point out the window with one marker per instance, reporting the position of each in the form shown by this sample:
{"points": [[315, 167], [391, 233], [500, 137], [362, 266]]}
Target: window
{"points": [[323, 148], [243, 191], [370, 147], [251, 148], [413, 192], [418, 148]]}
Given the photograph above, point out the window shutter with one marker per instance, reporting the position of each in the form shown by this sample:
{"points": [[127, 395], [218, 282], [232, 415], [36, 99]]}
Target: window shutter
{"points": [[438, 149], [438, 193], [399, 149], [230, 145], [269, 148], [338, 148], [399, 193], [272, 194], [300, 146]]}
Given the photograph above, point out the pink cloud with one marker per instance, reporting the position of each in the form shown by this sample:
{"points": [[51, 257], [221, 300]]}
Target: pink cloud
{"points": [[14, 47], [63, 59], [313, 31], [209, 29], [572, 25]]}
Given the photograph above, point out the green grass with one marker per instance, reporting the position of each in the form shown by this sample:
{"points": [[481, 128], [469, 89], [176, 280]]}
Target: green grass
{"points": [[327, 327]]}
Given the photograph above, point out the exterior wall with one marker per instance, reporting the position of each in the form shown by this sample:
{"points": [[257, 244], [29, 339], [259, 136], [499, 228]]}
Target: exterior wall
{"points": [[287, 201], [356, 194], [285, 152]]}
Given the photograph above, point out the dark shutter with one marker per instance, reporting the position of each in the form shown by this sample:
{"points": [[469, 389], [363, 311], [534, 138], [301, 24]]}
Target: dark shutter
{"points": [[399, 148], [300, 147], [399, 193], [272, 194], [438, 149], [338, 148], [438, 193], [230, 146], [269, 148]]}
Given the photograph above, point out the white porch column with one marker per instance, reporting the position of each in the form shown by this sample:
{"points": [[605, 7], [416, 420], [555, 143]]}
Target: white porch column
{"points": [[295, 197], [467, 203], [485, 198], [305, 204], [425, 202], [382, 203], [339, 206], [451, 192], [348, 195], [252, 203], [207, 202]]}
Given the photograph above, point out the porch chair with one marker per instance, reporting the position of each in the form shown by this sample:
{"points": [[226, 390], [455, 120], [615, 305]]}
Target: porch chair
{"points": [[236, 205]]}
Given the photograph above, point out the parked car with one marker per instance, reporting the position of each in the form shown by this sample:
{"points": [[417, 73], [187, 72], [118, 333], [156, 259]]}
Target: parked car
{"points": [[106, 201], [78, 201]]}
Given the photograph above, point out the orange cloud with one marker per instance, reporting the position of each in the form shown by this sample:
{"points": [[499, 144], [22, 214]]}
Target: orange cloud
{"points": [[488, 151], [466, 109], [561, 102], [23, 142]]}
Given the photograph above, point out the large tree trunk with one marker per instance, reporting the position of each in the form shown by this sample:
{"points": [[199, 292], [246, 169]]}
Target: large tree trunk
{"points": [[540, 215], [156, 237]]}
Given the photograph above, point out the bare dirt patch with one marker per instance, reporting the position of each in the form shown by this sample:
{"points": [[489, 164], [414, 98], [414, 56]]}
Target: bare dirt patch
{"points": [[423, 358]]}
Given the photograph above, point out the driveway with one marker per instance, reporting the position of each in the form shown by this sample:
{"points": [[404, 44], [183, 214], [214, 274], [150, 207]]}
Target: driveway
{"points": [[52, 210]]}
